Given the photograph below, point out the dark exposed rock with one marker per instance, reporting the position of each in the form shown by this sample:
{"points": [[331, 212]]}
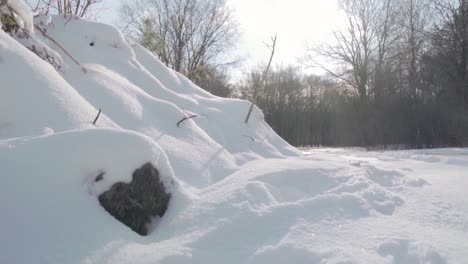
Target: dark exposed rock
{"points": [[136, 203]]}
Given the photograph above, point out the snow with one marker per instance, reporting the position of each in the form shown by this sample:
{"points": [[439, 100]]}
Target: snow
{"points": [[35, 97], [50, 213], [240, 193]]}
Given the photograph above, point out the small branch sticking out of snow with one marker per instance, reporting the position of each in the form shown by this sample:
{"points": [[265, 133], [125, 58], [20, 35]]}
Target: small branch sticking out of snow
{"points": [[267, 136], [186, 118], [249, 113], [60, 46], [249, 137], [97, 117], [253, 139], [272, 48], [99, 177]]}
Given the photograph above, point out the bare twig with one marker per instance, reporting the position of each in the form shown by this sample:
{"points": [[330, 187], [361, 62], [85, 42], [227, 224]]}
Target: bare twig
{"points": [[97, 117], [272, 47], [253, 139], [265, 138], [99, 177], [249, 113], [58, 45], [186, 118], [249, 137]]}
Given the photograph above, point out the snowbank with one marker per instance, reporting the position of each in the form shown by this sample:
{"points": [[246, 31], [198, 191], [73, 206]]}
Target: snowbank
{"points": [[35, 99], [50, 211]]}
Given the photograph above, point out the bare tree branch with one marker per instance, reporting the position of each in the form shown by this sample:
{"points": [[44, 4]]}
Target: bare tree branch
{"points": [[272, 48], [186, 118]]}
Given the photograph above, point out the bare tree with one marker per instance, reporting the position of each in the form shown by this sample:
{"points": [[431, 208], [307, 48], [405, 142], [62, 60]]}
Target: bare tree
{"points": [[360, 54], [187, 35], [385, 62], [449, 62], [353, 47], [78, 8], [414, 22]]}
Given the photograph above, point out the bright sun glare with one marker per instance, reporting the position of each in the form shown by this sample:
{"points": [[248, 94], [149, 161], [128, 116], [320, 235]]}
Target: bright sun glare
{"points": [[297, 22]]}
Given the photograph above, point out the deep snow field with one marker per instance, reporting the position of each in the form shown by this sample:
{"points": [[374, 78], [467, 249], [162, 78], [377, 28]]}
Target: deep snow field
{"points": [[240, 194]]}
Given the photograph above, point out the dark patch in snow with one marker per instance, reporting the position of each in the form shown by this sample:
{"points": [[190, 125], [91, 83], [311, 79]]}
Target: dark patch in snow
{"points": [[100, 177], [136, 203]]}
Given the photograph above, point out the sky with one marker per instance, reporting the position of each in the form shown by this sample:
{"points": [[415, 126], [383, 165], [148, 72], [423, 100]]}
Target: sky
{"points": [[297, 23]]}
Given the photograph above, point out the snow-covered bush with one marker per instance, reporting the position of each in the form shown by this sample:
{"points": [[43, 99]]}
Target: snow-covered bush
{"points": [[16, 12], [8, 23], [16, 18]]}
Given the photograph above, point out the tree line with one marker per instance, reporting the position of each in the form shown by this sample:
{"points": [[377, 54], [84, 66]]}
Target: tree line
{"points": [[403, 65]]}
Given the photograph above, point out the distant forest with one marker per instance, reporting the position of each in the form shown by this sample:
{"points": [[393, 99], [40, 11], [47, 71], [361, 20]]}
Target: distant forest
{"points": [[396, 73], [400, 78]]}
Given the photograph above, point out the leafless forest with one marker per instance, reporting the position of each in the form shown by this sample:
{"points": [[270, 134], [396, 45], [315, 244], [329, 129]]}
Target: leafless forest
{"points": [[398, 77]]}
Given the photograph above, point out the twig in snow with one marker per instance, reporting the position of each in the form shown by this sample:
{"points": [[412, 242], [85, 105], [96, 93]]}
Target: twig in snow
{"points": [[97, 117], [186, 118], [249, 113], [249, 137], [99, 177], [60, 46], [267, 136], [272, 48]]}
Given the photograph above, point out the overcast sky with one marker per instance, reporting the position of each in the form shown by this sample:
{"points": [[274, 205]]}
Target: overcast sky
{"points": [[297, 22]]}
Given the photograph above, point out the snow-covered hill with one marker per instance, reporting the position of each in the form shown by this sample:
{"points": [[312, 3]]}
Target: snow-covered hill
{"points": [[240, 193]]}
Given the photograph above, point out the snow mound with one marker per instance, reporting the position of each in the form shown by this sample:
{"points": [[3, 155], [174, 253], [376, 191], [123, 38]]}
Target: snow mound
{"points": [[149, 98], [50, 194], [34, 97]]}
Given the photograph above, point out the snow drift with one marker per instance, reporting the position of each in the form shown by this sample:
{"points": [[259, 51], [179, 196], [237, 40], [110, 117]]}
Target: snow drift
{"points": [[239, 193]]}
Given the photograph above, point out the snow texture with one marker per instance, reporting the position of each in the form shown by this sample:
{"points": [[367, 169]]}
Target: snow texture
{"points": [[240, 193]]}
